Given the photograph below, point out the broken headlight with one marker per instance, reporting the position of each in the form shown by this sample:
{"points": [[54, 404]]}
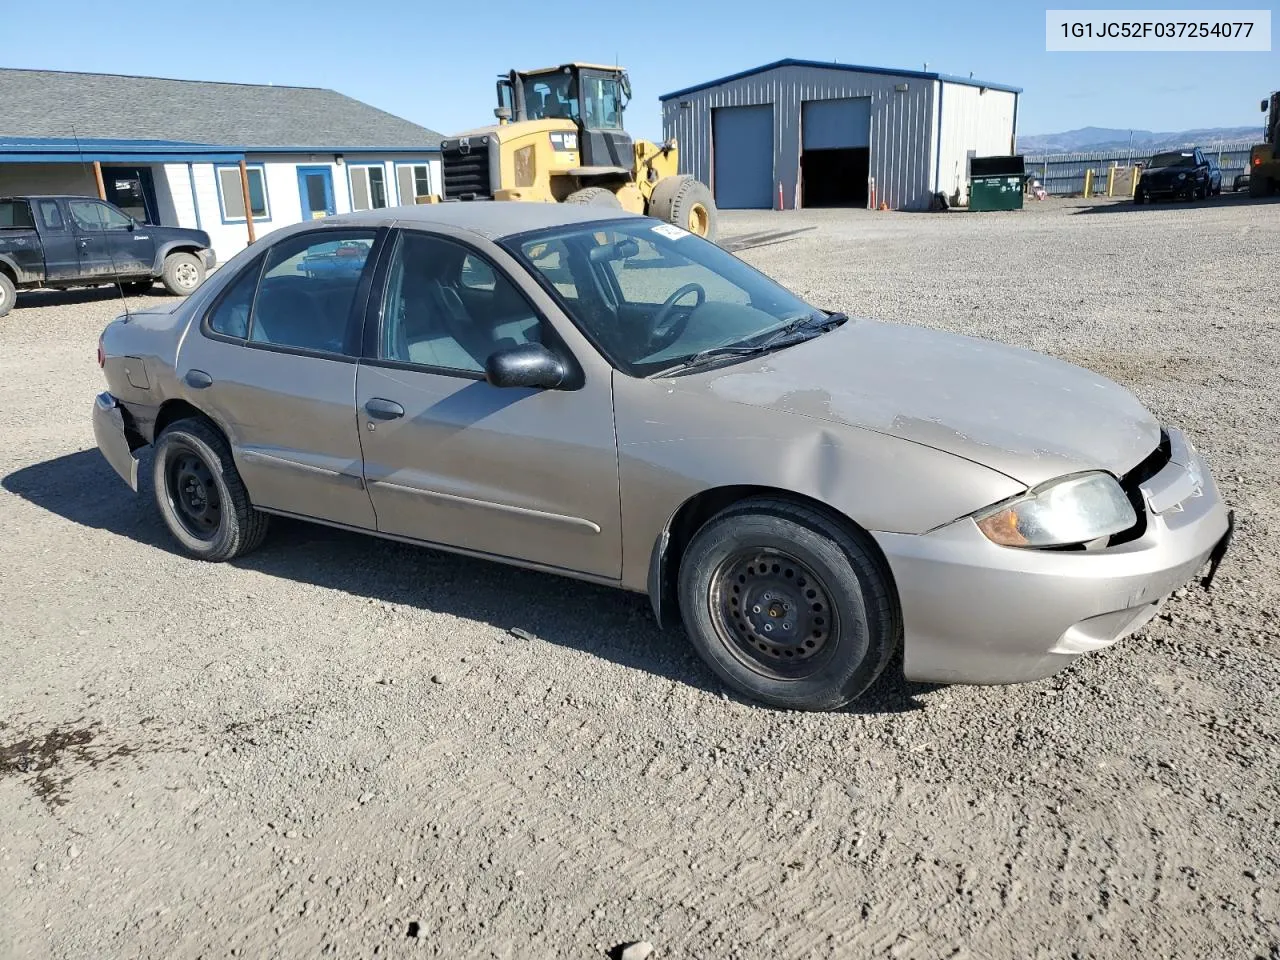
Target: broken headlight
{"points": [[1062, 512]]}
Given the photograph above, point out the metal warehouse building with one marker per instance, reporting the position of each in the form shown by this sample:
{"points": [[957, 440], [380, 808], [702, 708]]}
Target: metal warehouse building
{"points": [[828, 134]]}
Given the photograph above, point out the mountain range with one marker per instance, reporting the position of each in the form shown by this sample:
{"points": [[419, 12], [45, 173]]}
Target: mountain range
{"points": [[1089, 139]]}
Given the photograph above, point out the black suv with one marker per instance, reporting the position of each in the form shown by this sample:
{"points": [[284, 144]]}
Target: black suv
{"points": [[1178, 174]]}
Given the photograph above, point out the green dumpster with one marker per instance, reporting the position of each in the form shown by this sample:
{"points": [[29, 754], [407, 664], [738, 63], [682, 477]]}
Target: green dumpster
{"points": [[996, 183]]}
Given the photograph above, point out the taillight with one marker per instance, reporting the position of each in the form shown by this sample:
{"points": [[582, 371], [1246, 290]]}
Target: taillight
{"points": [[102, 354]]}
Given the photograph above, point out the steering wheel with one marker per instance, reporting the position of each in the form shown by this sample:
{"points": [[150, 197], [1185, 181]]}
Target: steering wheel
{"points": [[668, 324]]}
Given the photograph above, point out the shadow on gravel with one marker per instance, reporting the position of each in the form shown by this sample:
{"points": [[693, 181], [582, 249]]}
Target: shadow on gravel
{"points": [[1162, 206], [64, 298], [619, 626]]}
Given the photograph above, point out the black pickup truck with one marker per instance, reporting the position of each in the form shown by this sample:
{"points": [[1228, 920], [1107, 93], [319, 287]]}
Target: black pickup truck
{"points": [[62, 242]]}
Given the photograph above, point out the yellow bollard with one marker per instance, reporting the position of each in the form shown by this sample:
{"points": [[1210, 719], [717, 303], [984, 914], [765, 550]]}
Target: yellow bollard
{"points": [[1133, 185], [1111, 181], [1088, 183]]}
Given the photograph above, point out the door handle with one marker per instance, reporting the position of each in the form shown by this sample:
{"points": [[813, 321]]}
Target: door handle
{"points": [[380, 409], [198, 379]]}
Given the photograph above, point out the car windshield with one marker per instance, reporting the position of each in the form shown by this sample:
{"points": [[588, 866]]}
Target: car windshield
{"points": [[651, 295], [1173, 160]]}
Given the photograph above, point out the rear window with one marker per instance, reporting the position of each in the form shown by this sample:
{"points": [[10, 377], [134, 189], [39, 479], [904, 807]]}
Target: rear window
{"points": [[15, 213]]}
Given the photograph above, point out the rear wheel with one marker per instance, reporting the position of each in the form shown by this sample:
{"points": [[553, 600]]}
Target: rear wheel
{"points": [[1140, 196], [787, 606], [595, 197], [8, 294], [182, 273], [201, 497], [686, 202]]}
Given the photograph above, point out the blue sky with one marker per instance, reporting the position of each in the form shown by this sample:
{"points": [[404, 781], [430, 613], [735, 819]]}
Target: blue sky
{"points": [[435, 63]]}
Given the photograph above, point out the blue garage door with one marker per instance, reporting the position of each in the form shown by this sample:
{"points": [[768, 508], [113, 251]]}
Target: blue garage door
{"points": [[742, 141], [836, 124]]}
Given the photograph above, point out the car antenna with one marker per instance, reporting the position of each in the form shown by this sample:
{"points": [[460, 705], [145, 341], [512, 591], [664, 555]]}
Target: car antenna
{"points": [[84, 167]]}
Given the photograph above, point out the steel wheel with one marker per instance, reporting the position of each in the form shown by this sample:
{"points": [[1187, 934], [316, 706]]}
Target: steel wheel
{"points": [[192, 492], [773, 613], [699, 220], [187, 275]]}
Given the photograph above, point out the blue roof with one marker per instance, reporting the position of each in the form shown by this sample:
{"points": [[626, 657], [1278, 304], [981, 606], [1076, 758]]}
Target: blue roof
{"points": [[848, 67]]}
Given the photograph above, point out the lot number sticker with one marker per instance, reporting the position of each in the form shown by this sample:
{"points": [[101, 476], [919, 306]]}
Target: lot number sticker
{"points": [[671, 231]]}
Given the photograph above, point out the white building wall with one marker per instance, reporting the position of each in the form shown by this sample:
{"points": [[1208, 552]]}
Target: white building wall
{"points": [[971, 118], [284, 200], [901, 154]]}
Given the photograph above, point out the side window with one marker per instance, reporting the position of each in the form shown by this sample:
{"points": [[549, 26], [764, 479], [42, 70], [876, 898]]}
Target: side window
{"points": [[308, 284], [92, 215], [476, 274], [50, 215], [230, 315], [447, 307]]}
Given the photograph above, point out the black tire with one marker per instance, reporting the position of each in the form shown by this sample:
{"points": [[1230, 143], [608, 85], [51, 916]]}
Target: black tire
{"points": [[595, 197], [686, 202], [1140, 197], [193, 450], [850, 635], [182, 273], [136, 288], [8, 294]]}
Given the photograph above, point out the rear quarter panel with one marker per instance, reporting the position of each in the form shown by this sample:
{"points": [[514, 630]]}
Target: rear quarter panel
{"points": [[23, 253]]}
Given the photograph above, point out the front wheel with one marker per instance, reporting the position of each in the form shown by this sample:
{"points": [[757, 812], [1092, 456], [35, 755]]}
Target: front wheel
{"points": [[594, 197], [788, 607], [201, 497], [182, 273], [8, 294]]}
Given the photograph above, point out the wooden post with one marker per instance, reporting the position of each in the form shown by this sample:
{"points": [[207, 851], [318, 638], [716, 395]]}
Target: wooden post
{"points": [[248, 208], [97, 175]]}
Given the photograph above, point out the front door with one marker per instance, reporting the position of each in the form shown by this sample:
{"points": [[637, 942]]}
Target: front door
{"points": [[514, 472], [110, 244], [315, 189], [132, 190], [275, 362]]}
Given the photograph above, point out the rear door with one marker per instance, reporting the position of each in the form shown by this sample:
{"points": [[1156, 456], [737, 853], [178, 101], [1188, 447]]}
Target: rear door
{"points": [[61, 256], [275, 360], [518, 472], [110, 243]]}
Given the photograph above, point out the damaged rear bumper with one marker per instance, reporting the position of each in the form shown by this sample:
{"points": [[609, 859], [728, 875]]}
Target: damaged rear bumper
{"points": [[113, 439], [976, 612]]}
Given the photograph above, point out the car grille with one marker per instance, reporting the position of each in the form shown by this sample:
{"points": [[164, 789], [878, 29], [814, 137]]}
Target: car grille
{"points": [[466, 175]]}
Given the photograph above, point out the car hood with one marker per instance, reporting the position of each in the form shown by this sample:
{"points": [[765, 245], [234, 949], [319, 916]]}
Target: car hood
{"points": [[1168, 171], [1027, 415]]}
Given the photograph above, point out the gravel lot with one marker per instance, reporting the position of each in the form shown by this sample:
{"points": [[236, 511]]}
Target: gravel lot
{"points": [[337, 745]]}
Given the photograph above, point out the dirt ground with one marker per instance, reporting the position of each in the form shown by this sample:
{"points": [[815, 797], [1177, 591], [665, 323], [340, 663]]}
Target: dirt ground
{"points": [[336, 746]]}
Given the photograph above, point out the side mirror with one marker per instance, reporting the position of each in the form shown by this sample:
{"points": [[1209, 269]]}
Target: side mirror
{"points": [[502, 113], [528, 365], [133, 225]]}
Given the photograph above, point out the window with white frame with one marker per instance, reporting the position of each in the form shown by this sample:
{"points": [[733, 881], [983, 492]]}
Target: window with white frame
{"points": [[231, 193], [368, 186], [413, 180]]}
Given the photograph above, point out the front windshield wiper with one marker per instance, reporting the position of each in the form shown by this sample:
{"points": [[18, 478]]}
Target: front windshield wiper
{"points": [[786, 335]]}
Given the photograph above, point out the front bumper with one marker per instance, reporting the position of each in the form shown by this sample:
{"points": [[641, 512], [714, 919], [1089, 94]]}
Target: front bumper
{"points": [[1175, 188], [113, 441], [976, 612]]}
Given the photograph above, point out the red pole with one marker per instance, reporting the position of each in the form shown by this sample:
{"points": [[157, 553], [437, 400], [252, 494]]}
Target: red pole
{"points": [[781, 203]]}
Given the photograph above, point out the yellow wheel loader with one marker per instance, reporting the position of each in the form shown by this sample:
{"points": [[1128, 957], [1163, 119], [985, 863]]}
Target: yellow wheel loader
{"points": [[559, 139]]}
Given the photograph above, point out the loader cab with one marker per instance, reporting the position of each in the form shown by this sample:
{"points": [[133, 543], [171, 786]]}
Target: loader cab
{"points": [[592, 97]]}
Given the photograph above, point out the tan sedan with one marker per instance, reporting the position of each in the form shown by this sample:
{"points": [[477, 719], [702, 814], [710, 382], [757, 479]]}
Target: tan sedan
{"points": [[608, 397]]}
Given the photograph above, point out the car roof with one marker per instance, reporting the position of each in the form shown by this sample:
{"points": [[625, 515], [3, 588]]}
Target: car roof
{"points": [[494, 219]]}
